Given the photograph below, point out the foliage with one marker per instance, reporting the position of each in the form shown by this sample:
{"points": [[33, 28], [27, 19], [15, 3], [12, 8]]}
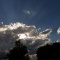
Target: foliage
{"points": [[19, 52], [47, 52]]}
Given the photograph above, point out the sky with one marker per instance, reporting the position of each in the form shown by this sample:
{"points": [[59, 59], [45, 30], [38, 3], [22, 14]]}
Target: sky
{"points": [[32, 11], [43, 14], [38, 21]]}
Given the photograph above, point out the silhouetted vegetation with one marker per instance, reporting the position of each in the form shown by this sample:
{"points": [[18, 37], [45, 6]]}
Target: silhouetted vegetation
{"points": [[49, 51], [19, 52]]}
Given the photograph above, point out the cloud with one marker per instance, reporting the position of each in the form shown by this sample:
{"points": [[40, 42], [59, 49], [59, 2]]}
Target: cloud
{"points": [[30, 13], [30, 35], [33, 57], [27, 12], [58, 31]]}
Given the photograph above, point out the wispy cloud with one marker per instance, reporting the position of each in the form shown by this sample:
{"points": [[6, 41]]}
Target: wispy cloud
{"points": [[30, 13], [27, 12], [30, 35]]}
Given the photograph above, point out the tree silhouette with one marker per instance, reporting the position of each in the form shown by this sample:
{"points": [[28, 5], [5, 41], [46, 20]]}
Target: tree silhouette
{"points": [[19, 52], [47, 52]]}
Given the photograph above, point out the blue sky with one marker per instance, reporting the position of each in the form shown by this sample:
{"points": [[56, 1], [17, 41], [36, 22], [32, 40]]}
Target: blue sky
{"points": [[41, 13]]}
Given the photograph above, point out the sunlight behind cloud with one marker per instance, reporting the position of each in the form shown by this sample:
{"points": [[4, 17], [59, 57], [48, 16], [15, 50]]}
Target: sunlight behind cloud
{"points": [[30, 35]]}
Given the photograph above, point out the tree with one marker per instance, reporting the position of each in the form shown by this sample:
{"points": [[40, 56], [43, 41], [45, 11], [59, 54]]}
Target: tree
{"points": [[19, 52], [49, 52]]}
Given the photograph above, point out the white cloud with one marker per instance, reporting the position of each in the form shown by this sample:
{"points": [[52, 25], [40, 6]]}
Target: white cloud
{"points": [[30, 35], [58, 31], [33, 57], [27, 12]]}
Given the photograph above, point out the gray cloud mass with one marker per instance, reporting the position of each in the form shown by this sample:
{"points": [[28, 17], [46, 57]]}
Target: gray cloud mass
{"points": [[29, 35]]}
